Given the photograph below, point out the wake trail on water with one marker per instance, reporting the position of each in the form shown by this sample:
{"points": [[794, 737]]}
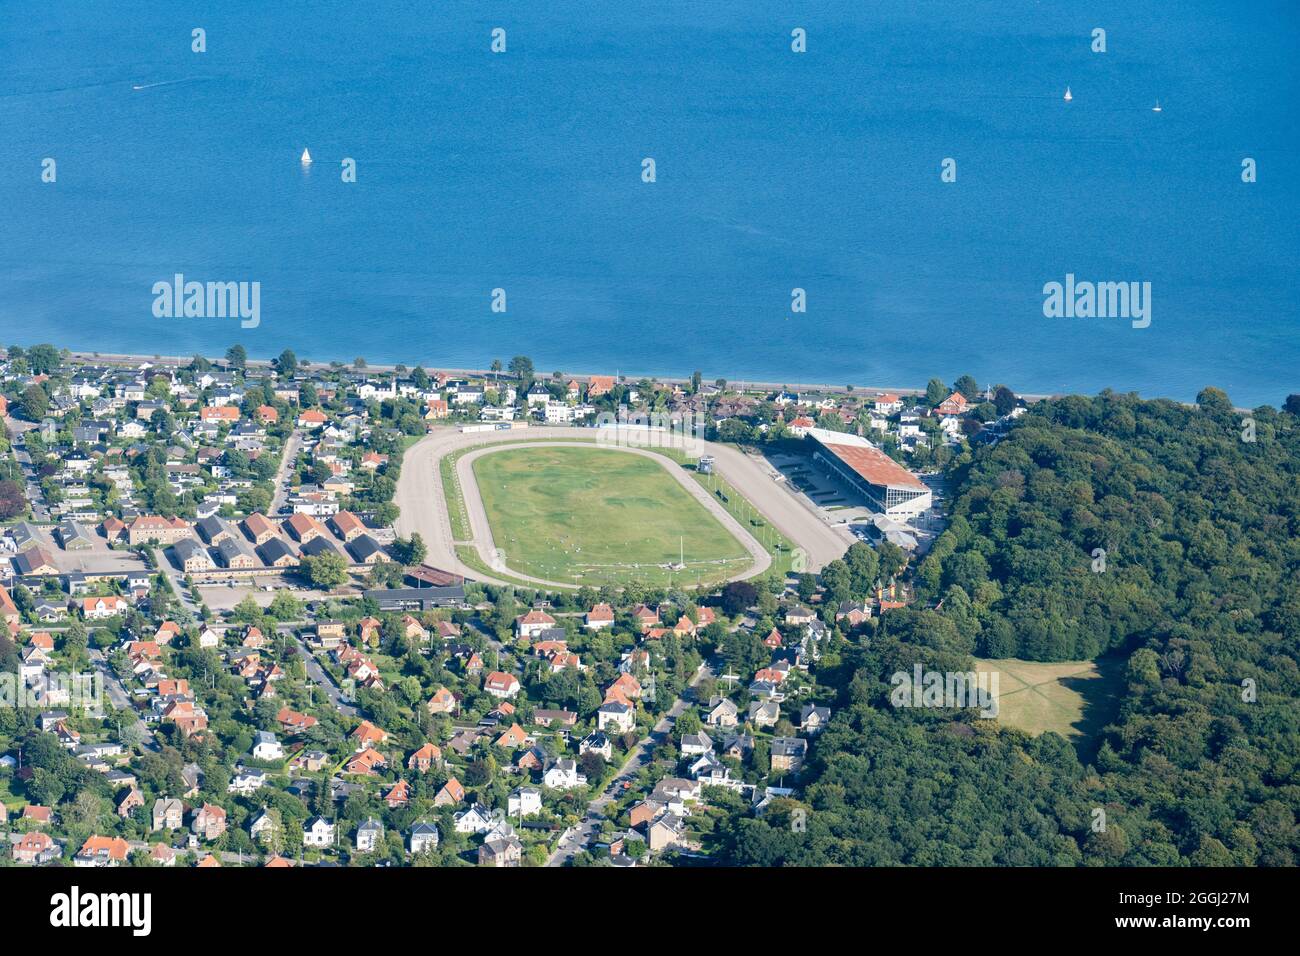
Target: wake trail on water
{"points": [[150, 86]]}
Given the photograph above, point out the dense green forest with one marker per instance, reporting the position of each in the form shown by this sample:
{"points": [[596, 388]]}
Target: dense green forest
{"points": [[1197, 511]]}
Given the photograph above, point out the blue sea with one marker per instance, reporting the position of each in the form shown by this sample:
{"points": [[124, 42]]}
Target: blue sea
{"points": [[775, 170]]}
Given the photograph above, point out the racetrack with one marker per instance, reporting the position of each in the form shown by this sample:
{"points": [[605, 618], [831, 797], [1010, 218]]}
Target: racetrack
{"points": [[424, 507]]}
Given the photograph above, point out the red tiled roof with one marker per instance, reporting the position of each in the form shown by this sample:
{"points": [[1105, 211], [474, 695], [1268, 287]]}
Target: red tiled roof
{"points": [[872, 464]]}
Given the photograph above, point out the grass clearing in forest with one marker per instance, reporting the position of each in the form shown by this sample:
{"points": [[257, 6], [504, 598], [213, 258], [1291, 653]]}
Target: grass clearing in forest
{"points": [[1072, 698]]}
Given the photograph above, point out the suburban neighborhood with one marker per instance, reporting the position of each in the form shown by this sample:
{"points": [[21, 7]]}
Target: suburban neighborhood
{"points": [[283, 680]]}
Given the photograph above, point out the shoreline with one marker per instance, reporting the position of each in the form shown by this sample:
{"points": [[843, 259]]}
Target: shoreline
{"points": [[135, 359]]}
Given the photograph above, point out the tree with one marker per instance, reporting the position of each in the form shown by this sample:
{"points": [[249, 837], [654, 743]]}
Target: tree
{"points": [[287, 363], [521, 367], [43, 359], [236, 356], [968, 387], [285, 606], [34, 403], [864, 568], [838, 580], [737, 596], [13, 502], [1292, 405], [410, 551], [325, 571], [935, 392], [1004, 400], [688, 723]]}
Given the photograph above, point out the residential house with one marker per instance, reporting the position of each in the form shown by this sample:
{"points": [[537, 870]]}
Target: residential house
{"points": [[102, 851], [788, 754], [665, 831], [209, 822], [597, 742], [813, 719], [600, 616], [501, 685], [504, 851], [424, 837], [266, 747], [318, 832], [616, 715], [425, 759], [369, 835], [722, 713], [524, 802], [475, 819], [563, 775], [531, 624], [764, 713], [693, 745], [451, 793], [35, 848]]}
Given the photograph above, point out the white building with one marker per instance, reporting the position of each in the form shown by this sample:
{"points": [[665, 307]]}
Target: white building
{"points": [[615, 715], [564, 775], [887, 485], [524, 802], [318, 832], [267, 747], [368, 835]]}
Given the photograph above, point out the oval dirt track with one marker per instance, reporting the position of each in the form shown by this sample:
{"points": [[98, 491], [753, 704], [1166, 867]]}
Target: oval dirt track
{"points": [[424, 506]]}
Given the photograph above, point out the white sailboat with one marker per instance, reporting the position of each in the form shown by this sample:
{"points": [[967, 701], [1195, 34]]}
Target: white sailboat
{"points": [[1156, 108], [306, 157], [1068, 95]]}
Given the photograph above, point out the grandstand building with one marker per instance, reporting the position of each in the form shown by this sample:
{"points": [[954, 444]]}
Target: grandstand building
{"points": [[889, 487]]}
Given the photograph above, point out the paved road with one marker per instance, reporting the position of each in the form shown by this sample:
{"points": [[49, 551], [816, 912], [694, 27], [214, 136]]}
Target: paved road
{"points": [[119, 697], [581, 837], [32, 489], [321, 676], [283, 473], [424, 508], [176, 579]]}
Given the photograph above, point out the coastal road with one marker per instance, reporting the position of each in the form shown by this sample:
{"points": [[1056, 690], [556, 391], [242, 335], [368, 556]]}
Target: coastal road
{"points": [[179, 361], [424, 507]]}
